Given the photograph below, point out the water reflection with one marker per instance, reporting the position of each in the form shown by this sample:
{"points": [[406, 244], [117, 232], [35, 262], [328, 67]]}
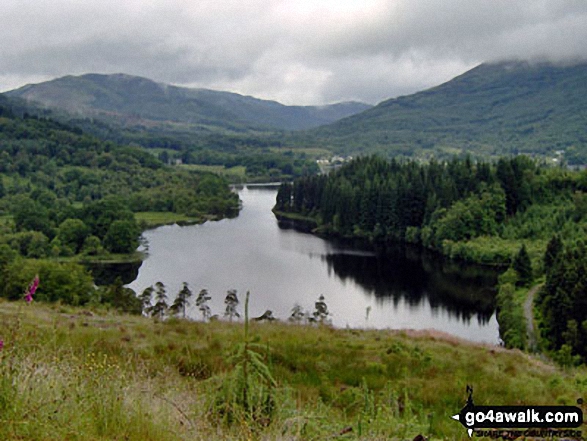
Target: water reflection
{"points": [[412, 276], [395, 278], [282, 267], [107, 273]]}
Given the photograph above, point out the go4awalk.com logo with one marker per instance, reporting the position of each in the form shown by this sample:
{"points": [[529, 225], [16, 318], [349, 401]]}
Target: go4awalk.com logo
{"points": [[545, 421]]}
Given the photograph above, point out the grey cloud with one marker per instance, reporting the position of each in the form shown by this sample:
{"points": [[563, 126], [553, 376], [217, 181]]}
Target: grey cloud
{"points": [[472, 29], [302, 52]]}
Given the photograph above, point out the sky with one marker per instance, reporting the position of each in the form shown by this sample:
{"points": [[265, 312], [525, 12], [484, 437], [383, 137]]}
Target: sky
{"points": [[304, 52]]}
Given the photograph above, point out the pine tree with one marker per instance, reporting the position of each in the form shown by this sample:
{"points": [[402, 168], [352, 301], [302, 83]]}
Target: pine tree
{"points": [[231, 302], [201, 303], [159, 309], [247, 392], [145, 298], [283, 199], [505, 175], [523, 267], [321, 312], [553, 251], [297, 314], [181, 301]]}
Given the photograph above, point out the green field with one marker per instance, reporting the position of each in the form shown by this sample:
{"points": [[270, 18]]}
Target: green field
{"points": [[314, 152], [233, 174], [152, 219]]}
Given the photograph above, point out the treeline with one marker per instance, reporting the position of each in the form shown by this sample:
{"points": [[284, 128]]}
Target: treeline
{"points": [[64, 193], [475, 211], [562, 302], [44, 226], [37, 152], [155, 303], [70, 284]]}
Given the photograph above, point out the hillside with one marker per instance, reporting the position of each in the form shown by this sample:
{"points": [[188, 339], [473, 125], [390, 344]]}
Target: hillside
{"points": [[80, 374], [492, 109], [237, 156], [139, 102], [68, 197]]}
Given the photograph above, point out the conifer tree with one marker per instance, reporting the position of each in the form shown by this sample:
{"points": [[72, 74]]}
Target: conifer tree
{"points": [[283, 199], [201, 303], [145, 298], [231, 302], [181, 301], [523, 266], [297, 314], [553, 251], [321, 312], [159, 309]]}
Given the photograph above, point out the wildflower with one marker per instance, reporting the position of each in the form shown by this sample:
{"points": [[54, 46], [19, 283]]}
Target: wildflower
{"points": [[28, 297], [1, 344]]}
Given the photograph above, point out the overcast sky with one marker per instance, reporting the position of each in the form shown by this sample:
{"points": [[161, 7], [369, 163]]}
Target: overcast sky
{"points": [[292, 51]]}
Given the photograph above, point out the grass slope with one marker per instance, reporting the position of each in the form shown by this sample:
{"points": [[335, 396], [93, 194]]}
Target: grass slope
{"points": [[79, 375]]}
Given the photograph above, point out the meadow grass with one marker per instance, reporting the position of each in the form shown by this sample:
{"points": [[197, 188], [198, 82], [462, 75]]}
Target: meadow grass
{"points": [[313, 152], [152, 219], [70, 373], [295, 216], [233, 174]]}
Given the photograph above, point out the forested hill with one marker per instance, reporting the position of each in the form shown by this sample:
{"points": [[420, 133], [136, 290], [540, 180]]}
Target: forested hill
{"points": [[39, 155], [135, 101], [492, 109], [475, 211], [67, 195]]}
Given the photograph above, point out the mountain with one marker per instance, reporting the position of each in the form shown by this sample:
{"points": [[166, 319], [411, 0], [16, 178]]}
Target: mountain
{"points": [[139, 102], [500, 108]]}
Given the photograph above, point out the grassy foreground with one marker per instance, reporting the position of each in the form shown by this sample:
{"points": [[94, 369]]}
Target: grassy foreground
{"points": [[76, 374]]}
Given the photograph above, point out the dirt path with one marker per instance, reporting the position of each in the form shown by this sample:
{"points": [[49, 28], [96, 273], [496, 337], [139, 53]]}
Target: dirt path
{"points": [[529, 316]]}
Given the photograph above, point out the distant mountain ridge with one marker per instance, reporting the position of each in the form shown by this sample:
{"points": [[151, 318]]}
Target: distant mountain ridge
{"points": [[493, 109], [136, 101], [499, 108]]}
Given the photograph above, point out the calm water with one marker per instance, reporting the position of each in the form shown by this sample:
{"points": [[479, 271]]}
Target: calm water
{"points": [[281, 267]]}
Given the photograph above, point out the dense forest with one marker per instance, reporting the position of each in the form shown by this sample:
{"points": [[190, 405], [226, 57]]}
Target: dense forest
{"points": [[66, 196], [468, 210], [514, 212], [562, 302]]}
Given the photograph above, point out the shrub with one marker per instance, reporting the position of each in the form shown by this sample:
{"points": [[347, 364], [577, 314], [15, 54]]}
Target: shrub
{"points": [[69, 283]]}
